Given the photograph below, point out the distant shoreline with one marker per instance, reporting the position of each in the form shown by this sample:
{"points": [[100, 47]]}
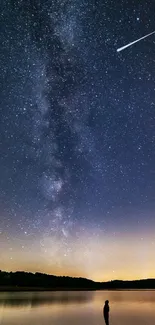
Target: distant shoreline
{"points": [[20, 289], [42, 289], [26, 281]]}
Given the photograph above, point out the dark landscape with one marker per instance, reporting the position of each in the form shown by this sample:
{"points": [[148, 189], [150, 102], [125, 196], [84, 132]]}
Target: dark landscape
{"points": [[24, 281]]}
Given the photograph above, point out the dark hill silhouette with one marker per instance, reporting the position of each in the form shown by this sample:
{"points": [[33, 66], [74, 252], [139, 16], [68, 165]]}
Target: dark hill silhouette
{"points": [[130, 284], [39, 281]]}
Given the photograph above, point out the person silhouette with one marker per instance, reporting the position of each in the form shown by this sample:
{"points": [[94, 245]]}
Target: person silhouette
{"points": [[106, 312]]}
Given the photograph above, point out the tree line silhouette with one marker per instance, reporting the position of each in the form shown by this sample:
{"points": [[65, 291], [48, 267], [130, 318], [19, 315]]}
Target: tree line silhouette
{"points": [[26, 280]]}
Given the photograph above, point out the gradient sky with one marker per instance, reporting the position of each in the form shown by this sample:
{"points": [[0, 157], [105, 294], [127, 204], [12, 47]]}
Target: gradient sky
{"points": [[77, 138]]}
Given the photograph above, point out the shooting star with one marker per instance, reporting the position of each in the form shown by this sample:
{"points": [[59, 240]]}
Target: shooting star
{"points": [[124, 47]]}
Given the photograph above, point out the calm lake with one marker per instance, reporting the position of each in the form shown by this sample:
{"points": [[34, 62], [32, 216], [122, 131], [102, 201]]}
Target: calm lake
{"points": [[77, 308]]}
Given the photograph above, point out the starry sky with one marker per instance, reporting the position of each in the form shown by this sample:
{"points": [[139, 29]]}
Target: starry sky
{"points": [[77, 138]]}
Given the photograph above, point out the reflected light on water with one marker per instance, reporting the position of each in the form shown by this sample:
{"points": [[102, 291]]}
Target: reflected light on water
{"points": [[67, 308]]}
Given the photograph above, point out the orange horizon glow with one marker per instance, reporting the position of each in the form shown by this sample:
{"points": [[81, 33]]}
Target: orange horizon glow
{"points": [[98, 258]]}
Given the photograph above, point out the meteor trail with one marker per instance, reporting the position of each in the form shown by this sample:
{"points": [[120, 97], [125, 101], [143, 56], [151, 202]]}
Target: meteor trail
{"points": [[124, 47]]}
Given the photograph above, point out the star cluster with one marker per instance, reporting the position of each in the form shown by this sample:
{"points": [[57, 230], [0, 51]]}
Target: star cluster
{"points": [[77, 137]]}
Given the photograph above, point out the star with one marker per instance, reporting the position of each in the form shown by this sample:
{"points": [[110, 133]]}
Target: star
{"points": [[77, 158]]}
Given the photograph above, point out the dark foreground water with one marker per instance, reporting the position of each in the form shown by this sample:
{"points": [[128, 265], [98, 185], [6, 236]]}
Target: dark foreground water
{"points": [[77, 308]]}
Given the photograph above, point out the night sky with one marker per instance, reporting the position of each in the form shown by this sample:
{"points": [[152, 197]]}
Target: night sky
{"points": [[77, 138]]}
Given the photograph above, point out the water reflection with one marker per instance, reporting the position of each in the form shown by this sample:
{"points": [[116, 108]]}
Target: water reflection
{"points": [[77, 308], [44, 298]]}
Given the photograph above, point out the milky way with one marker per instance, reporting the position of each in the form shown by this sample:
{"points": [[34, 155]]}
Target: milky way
{"points": [[77, 175]]}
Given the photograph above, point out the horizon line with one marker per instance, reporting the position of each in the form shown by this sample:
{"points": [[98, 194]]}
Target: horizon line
{"points": [[80, 277]]}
